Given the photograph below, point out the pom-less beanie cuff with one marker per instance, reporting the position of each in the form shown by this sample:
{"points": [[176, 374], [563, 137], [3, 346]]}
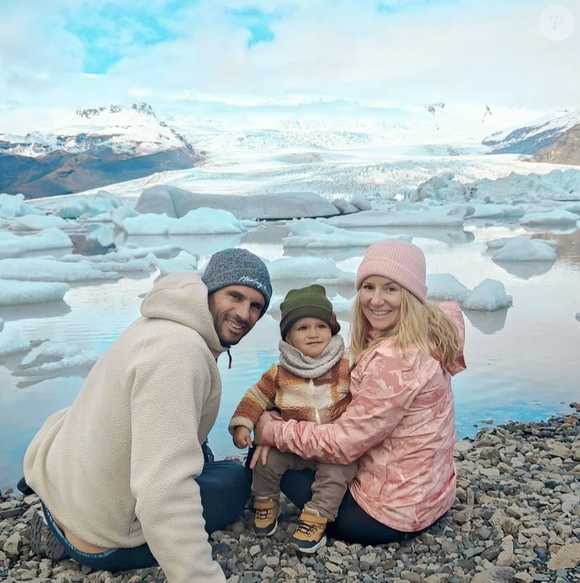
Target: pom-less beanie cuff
{"points": [[238, 267], [402, 262], [307, 302]]}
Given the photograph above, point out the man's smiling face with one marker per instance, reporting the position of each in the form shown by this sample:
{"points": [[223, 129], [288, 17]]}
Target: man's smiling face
{"points": [[235, 309]]}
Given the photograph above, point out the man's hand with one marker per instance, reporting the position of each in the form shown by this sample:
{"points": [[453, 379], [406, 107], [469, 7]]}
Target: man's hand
{"points": [[260, 455], [242, 437]]}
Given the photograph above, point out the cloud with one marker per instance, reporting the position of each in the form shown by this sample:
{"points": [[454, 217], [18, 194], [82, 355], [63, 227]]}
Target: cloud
{"points": [[397, 51]]}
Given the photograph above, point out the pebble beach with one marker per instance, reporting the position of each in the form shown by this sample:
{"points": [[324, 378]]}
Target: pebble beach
{"points": [[516, 519]]}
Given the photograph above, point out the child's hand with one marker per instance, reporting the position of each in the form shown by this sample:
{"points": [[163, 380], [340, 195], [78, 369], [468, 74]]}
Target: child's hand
{"points": [[242, 438]]}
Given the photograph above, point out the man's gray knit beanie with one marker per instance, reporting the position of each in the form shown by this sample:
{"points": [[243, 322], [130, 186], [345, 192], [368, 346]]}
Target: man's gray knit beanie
{"points": [[238, 267]]}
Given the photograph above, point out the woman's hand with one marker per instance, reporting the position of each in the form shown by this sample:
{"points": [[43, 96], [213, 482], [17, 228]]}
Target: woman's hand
{"points": [[260, 455], [242, 438], [259, 427]]}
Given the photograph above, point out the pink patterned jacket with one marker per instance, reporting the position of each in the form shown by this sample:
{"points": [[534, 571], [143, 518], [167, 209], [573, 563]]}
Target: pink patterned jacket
{"points": [[400, 425]]}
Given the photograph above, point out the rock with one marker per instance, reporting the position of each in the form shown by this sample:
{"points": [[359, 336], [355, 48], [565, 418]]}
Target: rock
{"points": [[333, 567], [494, 575], [568, 557], [411, 576], [523, 577], [12, 545], [463, 447], [367, 561], [463, 516]]}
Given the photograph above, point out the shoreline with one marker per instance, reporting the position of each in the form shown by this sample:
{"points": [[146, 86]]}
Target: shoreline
{"points": [[516, 519]]}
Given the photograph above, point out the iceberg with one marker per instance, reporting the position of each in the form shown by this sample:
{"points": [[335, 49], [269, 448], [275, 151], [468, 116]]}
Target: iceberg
{"points": [[41, 222], [313, 269], [520, 249], [314, 234], [554, 218], [183, 262], [13, 293], [177, 202], [203, 221], [434, 217], [12, 205], [446, 287], [488, 296], [51, 357], [48, 269], [15, 246], [11, 342]]}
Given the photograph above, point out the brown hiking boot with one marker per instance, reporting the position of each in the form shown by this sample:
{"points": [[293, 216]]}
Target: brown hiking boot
{"points": [[43, 543], [266, 519], [311, 532]]}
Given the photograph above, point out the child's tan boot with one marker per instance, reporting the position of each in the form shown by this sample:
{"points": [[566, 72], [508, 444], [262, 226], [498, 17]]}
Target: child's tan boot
{"points": [[266, 518]]}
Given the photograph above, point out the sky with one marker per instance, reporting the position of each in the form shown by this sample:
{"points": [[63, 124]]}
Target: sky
{"points": [[85, 53]]}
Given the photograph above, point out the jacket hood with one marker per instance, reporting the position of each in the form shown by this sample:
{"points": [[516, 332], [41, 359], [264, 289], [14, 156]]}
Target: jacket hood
{"points": [[182, 298]]}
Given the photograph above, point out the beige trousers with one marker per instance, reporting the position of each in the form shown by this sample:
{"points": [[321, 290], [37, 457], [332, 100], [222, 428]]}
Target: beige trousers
{"points": [[328, 488]]}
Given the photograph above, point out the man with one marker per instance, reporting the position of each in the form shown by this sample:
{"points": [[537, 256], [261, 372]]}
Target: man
{"points": [[121, 472]]}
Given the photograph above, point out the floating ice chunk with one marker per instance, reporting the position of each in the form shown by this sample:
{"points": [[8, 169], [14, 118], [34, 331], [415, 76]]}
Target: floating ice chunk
{"points": [[361, 203], [201, 221], [183, 262], [499, 243], [315, 235], [577, 318], [1, 324], [14, 293], [40, 222], [113, 262], [15, 246], [164, 251], [573, 207], [444, 286], [344, 206], [490, 211], [55, 356], [525, 250], [11, 341], [121, 213], [435, 217], [488, 296], [555, 218], [177, 202], [315, 269], [48, 269], [74, 207], [12, 205]]}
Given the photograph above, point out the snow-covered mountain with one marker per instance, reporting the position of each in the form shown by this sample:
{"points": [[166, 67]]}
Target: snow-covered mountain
{"points": [[94, 147], [554, 139]]}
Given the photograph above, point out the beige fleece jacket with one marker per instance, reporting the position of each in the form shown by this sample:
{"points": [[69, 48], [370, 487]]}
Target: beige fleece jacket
{"points": [[118, 467]]}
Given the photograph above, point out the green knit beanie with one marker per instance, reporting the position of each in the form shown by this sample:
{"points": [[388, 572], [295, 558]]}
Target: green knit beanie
{"points": [[307, 302]]}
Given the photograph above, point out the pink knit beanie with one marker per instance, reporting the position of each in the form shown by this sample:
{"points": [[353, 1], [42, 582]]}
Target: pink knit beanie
{"points": [[402, 262]]}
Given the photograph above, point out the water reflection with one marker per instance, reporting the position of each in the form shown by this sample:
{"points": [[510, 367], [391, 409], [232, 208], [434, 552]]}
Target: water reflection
{"points": [[525, 269], [198, 245], [34, 311], [487, 322]]}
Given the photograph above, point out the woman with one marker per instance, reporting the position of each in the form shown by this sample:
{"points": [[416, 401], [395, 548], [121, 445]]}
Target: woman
{"points": [[400, 423]]}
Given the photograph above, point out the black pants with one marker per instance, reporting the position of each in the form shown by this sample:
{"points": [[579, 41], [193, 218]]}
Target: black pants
{"points": [[352, 524], [225, 490]]}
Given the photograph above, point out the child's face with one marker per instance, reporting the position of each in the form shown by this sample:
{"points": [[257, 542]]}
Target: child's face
{"points": [[309, 335]]}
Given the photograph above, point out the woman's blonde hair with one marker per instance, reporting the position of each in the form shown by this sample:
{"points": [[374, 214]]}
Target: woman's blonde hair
{"points": [[423, 325]]}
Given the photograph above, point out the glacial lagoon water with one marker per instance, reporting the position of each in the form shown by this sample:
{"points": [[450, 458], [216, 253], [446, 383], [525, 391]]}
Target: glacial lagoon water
{"points": [[523, 362]]}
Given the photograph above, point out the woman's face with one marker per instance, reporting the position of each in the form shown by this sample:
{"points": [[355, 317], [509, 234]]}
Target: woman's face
{"points": [[380, 300]]}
